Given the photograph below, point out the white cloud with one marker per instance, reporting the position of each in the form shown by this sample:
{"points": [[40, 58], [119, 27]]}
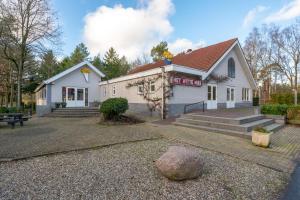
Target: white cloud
{"points": [[289, 11], [133, 31], [183, 44], [251, 15], [130, 31]]}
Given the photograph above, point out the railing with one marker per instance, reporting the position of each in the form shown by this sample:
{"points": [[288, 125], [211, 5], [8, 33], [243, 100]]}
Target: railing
{"points": [[188, 105]]}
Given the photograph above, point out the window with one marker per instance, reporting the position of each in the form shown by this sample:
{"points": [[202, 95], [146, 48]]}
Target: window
{"points": [[211, 92], [114, 90], [140, 89], [79, 94], [245, 94], [43, 93], [104, 91], [231, 68], [152, 86]]}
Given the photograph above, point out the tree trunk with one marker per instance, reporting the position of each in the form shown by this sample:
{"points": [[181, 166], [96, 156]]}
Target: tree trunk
{"points": [[296, 86], [19, 88]]}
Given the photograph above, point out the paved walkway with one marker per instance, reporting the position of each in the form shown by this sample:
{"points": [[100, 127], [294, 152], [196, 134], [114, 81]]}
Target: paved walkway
{"points": [[42, 136], [284, 149]]}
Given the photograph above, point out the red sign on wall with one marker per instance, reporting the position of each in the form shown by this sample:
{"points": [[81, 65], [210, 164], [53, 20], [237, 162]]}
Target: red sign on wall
{"points": [[186, 81]]}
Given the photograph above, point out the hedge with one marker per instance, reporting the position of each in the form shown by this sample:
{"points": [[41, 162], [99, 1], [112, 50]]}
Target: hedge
{"points": [[8, 110], [274, 109], [283, 98], [112, 108]]}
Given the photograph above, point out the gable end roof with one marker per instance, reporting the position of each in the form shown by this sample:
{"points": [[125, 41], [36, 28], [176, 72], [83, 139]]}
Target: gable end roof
{"points": [[201, 59], [67, 71]]}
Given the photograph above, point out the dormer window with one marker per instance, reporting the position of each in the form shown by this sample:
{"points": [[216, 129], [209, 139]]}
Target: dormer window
{"points": [[231, 68]]}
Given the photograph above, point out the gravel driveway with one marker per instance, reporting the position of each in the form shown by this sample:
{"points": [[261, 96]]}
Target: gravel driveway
{"points": [[126, 171], [42, 136]]}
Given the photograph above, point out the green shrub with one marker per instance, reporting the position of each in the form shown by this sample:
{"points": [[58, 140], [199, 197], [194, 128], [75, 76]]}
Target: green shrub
{"points": [[293, 112], [112, 108], [3, 110], [283, 98], [255, 101], [274, 109], [13, 110], [261, 129]]}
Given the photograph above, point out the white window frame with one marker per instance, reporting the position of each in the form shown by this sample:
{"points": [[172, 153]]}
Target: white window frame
{"points": [[114, 90], [245, 94], [152, 83], [138, 89]]}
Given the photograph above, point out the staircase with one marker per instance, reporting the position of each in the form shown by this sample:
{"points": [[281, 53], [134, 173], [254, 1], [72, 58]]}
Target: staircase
{"points": [[240, 126], [74, 112]]}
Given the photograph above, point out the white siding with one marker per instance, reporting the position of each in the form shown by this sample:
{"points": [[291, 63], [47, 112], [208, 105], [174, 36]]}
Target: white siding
{"points": [[76, 79]]}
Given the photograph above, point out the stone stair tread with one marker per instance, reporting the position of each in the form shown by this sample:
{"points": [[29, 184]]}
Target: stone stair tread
{"points": [[256, 123], [272, 127], [218, 130], [250, 124]]}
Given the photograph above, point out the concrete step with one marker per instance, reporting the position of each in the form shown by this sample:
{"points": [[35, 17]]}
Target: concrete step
{"points": [[274, 127], [225, 120], [246, 135], [75, 111], [229, 126], [71, 116]]}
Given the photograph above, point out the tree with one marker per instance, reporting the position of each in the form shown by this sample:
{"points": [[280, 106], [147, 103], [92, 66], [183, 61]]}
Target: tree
{"points": [[97, 62], [26, 26], [113, 65], [48, 66], [158, 50], [79, 54], [286, 43]]}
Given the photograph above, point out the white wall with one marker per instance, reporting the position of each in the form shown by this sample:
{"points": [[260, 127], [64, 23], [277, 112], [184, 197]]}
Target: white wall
{"points": [[130, 93], [185, 95], [76, 79]]}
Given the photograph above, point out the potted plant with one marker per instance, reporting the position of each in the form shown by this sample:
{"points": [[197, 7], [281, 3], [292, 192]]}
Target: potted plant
{"points": [[57, 104], [63, 104], [261, 137]]}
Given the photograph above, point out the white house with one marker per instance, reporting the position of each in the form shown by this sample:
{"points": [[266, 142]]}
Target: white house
{"points": [[76, 86], [217, 75]]}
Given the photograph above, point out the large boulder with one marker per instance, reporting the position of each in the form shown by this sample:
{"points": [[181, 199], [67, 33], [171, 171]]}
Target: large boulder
{"points": [[180, 163]]}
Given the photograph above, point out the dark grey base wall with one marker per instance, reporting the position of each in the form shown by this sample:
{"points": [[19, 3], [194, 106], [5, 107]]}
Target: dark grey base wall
{"points": [[142, 109], [178, 109], [244, 104], [42, 110]]}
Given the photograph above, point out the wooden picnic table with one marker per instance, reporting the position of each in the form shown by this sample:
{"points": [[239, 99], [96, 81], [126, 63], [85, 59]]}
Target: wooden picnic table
{"points": [[13, 118]]}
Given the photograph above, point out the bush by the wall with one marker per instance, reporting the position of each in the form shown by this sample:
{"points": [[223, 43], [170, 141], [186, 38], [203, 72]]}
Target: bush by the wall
{"points": [[255, 101], [283, 98], [274, 109], [293, 112], [112, 108], [3, 110]]}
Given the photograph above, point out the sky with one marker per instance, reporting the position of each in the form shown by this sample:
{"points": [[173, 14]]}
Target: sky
{"points": [[132, 27]]}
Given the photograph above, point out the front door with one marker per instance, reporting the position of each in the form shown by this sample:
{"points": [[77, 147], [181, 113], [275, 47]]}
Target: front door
{"points": [[75, 97], [70, 98], [230, 99], [212, 97]]}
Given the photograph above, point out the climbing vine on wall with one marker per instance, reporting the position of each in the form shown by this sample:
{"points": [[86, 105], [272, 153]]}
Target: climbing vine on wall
{"points": [[153, 99]]}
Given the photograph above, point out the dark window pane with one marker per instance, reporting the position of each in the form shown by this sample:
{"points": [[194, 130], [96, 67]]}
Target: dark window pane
{"points": [[214, 92], [209, 92], [71, 94], [80, 94], [63, 95], [86, 102]]}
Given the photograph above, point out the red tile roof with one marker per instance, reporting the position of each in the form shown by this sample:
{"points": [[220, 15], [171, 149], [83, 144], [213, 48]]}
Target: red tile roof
{"points": [[202, 59]]}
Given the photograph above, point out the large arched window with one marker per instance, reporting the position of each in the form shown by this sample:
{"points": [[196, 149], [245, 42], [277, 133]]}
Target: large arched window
{"points": [[231, 68]]}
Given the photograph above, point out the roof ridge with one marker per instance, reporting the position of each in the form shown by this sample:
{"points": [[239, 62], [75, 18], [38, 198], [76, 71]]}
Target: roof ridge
{"points": [[203, 57]]}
